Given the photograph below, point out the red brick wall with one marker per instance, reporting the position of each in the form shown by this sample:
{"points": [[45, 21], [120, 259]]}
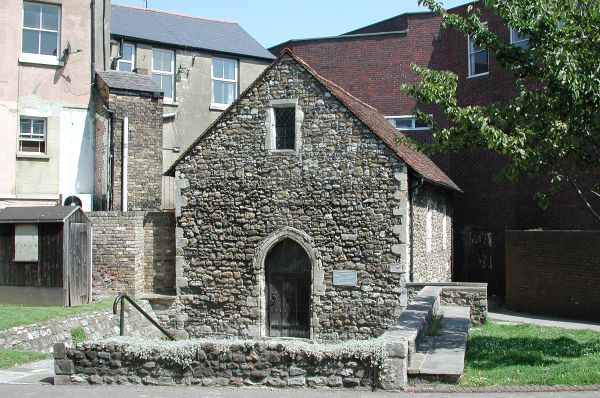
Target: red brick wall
{"points": [[554, 273], [372, 68]]}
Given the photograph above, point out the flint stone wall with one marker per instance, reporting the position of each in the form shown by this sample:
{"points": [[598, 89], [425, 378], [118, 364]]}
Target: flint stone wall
{"points": [[234, 363], [432, 254], [97, 325], [464, 294], [342, 192]]}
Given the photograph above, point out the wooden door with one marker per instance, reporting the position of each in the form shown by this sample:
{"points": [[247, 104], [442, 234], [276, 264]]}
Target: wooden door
{"points": [[288, 290], [78, 263]]}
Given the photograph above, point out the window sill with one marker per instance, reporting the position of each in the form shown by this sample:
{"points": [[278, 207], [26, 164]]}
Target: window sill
{"points": [[218, 107], [170, 103], [282, 152], [35, 59], [478, 75], [25, 155]]}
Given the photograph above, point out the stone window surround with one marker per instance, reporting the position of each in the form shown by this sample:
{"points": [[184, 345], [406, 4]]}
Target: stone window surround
{"points": [[270, 142], [317, 273]]}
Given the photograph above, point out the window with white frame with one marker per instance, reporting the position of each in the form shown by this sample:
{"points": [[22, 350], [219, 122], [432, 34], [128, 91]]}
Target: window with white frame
{"points": [[32, 135], [224, 78], [478, 59], [126, 62], [519, 40], [163, 68], [41, 29], [407, 122]]}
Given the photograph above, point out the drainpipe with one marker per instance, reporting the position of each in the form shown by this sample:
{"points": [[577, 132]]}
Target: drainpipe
{"points": [[125, 160], [93, 39], [411, 194], [110, 161]]}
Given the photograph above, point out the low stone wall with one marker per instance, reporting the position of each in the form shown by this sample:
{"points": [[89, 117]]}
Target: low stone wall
{"points": [[97, 325], [210, 362], [465, 294]]}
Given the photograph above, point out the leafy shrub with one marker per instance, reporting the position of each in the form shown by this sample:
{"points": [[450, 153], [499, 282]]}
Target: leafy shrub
{"points": [[78, 335]]}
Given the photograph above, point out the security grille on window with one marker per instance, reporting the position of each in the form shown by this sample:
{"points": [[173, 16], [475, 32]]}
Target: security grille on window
{"points": [[285, 128], [162, 71], [224, 81], [127, 60], [407, 123], [519, 40], [478, 59], [32, 136], [41, 28]]}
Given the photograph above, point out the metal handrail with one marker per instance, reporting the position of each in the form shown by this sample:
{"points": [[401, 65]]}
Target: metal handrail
{"points": [[124, 296]]}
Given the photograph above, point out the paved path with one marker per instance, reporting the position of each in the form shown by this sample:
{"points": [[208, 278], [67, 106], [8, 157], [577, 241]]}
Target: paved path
{"points": [[38, 372], [19, 391], [510, 316]]}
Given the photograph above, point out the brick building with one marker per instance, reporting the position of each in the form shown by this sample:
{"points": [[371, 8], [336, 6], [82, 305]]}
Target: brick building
{"points": [[299, 215], [372, 62]]}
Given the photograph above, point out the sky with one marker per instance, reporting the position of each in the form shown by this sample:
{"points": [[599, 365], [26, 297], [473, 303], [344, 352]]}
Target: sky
{"points": [[273, 22]]}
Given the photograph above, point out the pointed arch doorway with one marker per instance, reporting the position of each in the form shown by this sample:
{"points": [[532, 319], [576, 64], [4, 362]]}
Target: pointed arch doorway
{"points": [[288, 279]]}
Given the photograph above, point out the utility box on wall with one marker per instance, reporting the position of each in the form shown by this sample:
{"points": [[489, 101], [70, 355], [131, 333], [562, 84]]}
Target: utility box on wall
{"points": [[45, 256]]}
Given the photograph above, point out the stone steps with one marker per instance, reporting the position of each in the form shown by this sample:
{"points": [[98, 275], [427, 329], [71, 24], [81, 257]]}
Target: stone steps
{"points": [[442, 357]]}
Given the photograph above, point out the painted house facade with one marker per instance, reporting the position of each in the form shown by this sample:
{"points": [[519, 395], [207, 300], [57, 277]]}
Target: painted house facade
{"points": [[51, 50], [200, 64], [373, 62], [299, 215]]}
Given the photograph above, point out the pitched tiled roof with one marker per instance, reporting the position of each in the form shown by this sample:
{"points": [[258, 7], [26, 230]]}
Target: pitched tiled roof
{"points": [[416, 160], [378, 124], [184, 31], [129, 81]]}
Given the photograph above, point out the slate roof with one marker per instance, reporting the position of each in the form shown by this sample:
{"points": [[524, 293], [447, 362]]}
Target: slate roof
{"points": [[375, 121], [184, 31], [129, 81], [36, 214]]}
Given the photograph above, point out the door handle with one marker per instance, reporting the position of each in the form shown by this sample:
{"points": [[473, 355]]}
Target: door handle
{"points": [[273, 297]]}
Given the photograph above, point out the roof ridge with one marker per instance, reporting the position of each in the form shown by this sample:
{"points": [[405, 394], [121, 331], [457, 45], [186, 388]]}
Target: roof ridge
{"points": [[387, 134], [174, 13]]}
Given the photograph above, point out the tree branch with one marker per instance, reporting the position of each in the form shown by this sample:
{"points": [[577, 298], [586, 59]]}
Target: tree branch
{"points": [[580, 194]]}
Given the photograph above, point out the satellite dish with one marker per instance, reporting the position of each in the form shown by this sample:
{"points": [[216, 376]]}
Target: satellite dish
{"points": [[72, 201]]}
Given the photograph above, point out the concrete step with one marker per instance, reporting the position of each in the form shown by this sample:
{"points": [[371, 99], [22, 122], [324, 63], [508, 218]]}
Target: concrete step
{"points": [[444, 358]]}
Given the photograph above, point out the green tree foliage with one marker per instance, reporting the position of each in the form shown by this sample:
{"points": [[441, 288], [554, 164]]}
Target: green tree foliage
{"points": [[552, 126]]}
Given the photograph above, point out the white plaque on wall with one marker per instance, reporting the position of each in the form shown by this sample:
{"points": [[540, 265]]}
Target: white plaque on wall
{"points": [[344, 277]]}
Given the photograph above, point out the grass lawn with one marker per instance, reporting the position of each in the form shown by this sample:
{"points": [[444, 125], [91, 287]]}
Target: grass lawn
{"points": [[10, 357], [14, 315], [527, 354]]}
